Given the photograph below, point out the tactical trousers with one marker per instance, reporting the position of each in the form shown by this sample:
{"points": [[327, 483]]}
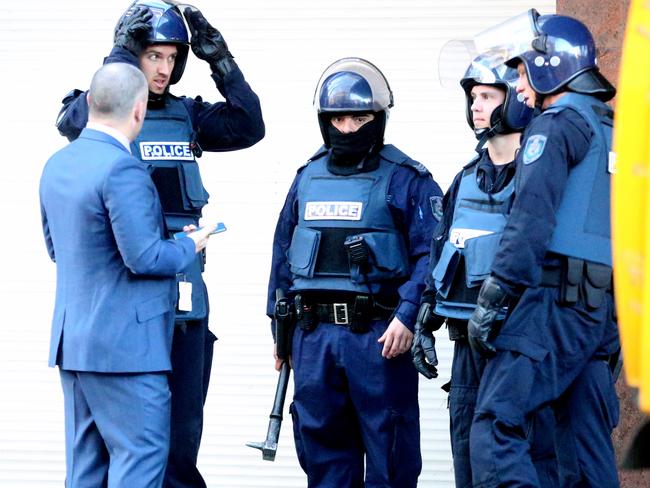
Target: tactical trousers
{"points": [[548, 353], [348, 402], [192, 351], [466, 371]]}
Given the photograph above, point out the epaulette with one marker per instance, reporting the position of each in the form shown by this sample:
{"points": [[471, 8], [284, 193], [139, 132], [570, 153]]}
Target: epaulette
{"points": [[394, 155]]}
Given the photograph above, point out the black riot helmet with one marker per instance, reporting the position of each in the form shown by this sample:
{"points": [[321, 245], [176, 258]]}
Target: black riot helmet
{"points": [[511, 116], [167, 27], [352, 86]]}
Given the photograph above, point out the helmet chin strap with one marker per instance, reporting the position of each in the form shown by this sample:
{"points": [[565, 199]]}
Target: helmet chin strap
{"points": [[496, 127]]}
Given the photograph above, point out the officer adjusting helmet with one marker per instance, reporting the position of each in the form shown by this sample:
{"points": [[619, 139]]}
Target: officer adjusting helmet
{"points": [[167, 27], [512, 115], [352, 86]]}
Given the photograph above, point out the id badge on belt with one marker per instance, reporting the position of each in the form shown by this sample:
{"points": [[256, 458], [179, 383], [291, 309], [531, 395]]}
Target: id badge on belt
{"points": [[184, 293]]}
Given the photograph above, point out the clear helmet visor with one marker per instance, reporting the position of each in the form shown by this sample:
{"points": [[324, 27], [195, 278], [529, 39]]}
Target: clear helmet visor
{"points": [[352, 84], [509, 39]]}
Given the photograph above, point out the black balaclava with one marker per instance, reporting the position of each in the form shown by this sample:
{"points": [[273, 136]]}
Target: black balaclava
{"points": [[356, 152]]}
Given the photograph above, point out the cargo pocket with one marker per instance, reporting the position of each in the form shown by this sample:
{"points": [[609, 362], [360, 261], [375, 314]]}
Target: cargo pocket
{"points": [[195, 194], [199, 294], [443, 273], [479, 255], [303, 251]]}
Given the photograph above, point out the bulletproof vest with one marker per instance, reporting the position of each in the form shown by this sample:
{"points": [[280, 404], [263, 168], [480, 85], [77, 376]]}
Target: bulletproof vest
{"points": [[346, 239], [474, 236], [165, 145], [583, 223]]}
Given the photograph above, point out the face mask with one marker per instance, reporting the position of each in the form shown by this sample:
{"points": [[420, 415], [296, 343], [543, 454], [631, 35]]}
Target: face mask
{"points": [[350, 149]]}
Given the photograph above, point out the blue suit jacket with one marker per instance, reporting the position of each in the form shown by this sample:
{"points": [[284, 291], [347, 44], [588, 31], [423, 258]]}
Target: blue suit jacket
{"points": [[103, 226]]}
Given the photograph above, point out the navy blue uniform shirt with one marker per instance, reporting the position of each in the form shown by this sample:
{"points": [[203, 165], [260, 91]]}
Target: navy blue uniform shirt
{"points": [[223, 126], [410, 199], [539, 187]]}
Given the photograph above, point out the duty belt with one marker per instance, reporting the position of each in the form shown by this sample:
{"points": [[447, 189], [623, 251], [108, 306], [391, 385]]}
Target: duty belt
{"points": [[576, 277], [355, 314]]}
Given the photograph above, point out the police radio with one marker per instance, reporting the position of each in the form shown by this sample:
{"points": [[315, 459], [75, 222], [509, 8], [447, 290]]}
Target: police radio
{"points": [[357, 249]]}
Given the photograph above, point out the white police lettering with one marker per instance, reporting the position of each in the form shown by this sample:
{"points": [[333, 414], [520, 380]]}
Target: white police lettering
{"points": [[152, 151], [333, 210]]}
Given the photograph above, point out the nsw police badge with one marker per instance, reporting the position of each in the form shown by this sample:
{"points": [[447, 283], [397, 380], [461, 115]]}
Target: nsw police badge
{"points": [[436, 207], [534, 148]]}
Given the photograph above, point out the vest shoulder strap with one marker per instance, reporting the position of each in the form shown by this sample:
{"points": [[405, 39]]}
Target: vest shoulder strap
{"points": [[394, 155]]}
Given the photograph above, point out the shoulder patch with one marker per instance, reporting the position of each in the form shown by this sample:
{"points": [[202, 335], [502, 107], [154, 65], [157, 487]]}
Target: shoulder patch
{"points": [[436, 207], [534, 148]]}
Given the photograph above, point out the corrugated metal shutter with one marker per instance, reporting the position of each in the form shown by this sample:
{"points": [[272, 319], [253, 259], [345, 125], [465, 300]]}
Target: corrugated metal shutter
{"points": [[47, 48]]}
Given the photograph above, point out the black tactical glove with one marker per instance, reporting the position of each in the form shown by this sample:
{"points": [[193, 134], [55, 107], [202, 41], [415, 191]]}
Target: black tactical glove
{"points": [[491, 300], [208, 44], [132, 30], [423, 349]]}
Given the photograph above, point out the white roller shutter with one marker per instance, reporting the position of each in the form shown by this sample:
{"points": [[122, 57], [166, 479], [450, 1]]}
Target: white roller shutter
{"points": [[49, 47]]}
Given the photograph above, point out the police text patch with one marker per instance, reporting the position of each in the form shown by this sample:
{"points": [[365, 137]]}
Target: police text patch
{"points": [[333, 210], [534, 148], [156, 151]]}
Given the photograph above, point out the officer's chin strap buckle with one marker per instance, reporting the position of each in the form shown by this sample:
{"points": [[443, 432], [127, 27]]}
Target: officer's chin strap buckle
{"points": [[341, 313]]}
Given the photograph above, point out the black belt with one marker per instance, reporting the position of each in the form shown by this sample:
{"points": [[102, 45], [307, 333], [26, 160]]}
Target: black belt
{"points": [[346, 313]]}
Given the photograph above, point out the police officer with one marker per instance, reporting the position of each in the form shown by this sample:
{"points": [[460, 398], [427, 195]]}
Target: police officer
{"points": [[351, 246], [152, 35], [553, 266], [475, 209]]}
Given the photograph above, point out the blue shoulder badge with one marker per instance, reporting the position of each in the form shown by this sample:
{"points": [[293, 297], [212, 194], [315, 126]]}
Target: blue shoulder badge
{"points": [[436, 207], [534, 148]]}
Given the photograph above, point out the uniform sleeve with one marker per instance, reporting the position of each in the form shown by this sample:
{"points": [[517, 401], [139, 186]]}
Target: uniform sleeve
{"points": [[414, 212], [280, 272], [441, 235], [540, 182], [234, 124], [73, 115], [136, 219]]}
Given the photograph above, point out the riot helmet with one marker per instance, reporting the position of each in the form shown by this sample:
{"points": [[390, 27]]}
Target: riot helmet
{"points": [[352, 86], [558, 52], [167, 27], [512, 115]]}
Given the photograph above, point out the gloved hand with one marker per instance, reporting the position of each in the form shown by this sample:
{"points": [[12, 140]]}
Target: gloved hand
{"points": [[491, 299], [423, 348], [207, 43], [132, 30]]}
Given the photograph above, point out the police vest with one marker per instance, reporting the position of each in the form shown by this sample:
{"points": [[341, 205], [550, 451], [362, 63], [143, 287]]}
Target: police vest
{"points": [[164, 145], [474, 236], [346, 239], [583, 224]]}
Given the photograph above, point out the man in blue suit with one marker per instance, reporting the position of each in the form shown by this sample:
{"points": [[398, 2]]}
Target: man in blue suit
{"points": [[113, 317]]}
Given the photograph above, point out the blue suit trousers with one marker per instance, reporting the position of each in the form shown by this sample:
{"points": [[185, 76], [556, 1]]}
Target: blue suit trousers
{"points": [[116, 429]]}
